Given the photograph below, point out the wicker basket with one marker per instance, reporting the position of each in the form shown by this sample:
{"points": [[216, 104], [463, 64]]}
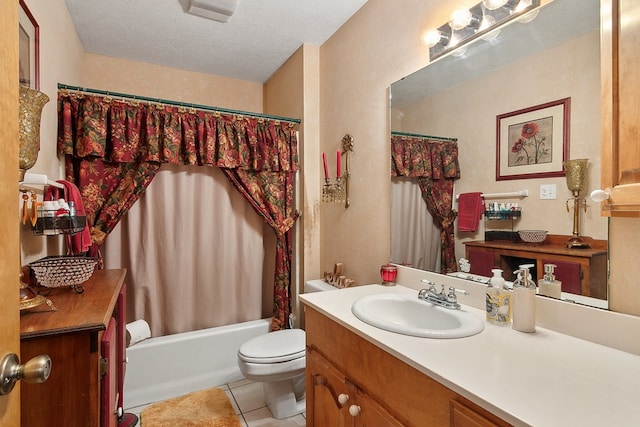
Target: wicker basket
{"points": [[58, 271], [532, 236]]}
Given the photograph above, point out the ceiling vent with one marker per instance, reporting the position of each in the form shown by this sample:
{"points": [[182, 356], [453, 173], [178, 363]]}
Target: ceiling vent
{"points": [[217, 10]]}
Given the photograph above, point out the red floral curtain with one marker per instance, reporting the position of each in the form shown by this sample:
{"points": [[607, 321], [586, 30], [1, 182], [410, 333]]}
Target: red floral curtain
{"points": [[434, 162], [114, 148]]}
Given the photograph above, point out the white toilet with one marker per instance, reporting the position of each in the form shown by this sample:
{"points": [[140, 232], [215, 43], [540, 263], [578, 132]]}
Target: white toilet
{"points": [[277, 360]]}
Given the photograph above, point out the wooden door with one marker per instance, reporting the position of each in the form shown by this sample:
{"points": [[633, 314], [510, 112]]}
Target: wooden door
{"points": [[9, 226], [620, 41]]}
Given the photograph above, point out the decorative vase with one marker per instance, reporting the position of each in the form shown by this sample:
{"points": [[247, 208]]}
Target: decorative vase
{"points": [[576, 174], [30, 112]]}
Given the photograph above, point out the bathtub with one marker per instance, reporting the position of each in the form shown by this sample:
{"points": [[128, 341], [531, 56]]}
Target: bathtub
{"points": [[173, 365]]}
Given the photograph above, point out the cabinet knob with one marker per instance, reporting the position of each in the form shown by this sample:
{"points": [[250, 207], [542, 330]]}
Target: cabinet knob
{"points": [[343, 398], [354, 410], [36, 370]]}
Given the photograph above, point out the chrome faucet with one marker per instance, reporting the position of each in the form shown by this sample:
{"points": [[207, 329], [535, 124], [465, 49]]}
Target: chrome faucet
{"points": [[442, 298]]}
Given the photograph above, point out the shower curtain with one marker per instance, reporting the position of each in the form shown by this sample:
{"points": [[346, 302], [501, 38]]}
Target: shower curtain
{"points": [[415, 239], [194, 248]]}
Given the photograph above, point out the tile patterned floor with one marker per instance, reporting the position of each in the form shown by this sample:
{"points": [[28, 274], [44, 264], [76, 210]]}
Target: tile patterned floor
{"points": [[246, 398]]}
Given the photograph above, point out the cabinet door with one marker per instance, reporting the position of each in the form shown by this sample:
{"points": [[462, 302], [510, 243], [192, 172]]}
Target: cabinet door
{"points": [[121, 325], [366, 412], [108, 392], [569, 273], [621, 106], [328, 398]]}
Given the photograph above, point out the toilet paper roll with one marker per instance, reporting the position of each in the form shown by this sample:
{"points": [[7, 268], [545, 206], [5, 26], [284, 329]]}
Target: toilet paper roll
{"points": [[137, 331]]}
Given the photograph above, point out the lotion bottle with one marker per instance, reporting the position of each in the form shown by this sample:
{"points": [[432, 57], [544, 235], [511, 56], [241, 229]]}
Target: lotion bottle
{"points": [[498, 300], [549, 285], [524, 301]]}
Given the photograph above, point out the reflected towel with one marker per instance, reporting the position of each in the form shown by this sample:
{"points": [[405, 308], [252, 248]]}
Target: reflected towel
{"points": [[80, 242], [470, 208]]}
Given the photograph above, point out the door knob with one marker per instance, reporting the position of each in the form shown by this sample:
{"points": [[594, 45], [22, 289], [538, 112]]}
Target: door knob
{"points": [[36, 370], [343, 398]]}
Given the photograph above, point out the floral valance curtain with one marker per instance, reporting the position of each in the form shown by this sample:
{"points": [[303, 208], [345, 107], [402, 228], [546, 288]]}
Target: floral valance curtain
{"points": [[114, 148], [434, 163], [417, 156]]}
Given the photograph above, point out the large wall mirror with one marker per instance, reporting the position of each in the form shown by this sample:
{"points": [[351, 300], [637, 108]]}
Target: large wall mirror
{"points": [[460, 96]]}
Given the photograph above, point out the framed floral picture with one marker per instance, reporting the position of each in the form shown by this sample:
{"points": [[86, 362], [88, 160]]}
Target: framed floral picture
{"points": [[29, 48], [533, 142]]}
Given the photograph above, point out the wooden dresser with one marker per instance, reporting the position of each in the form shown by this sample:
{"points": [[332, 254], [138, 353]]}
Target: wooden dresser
{"points": [[85, 339], [582, 271]]}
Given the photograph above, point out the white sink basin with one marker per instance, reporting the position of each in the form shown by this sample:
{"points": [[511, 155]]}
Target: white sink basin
{"points": [[409, 315]]}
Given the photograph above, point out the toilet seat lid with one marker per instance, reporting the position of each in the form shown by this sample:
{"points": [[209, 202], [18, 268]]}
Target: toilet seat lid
{"points": [[274, 347]]}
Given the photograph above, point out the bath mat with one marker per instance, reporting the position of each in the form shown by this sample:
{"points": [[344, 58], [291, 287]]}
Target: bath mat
{"points": [[205, 408]]}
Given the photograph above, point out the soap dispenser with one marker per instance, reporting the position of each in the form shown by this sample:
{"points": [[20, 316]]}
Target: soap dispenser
{"points": [[549, 285], [498, 300], [524, 301]]}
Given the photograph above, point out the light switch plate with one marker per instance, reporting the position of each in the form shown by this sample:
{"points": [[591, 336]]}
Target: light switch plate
{"points": [[547, 191]]}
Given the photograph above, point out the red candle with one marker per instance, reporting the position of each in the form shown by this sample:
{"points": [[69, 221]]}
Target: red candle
{"points": [[338, 168], [324, 161]]}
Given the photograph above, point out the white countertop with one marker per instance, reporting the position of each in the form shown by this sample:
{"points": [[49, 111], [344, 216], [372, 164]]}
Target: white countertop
{"points": [[540, 379]]}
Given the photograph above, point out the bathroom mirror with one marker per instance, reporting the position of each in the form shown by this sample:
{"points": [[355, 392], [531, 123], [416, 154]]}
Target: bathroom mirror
{"points": [[460, 96]]}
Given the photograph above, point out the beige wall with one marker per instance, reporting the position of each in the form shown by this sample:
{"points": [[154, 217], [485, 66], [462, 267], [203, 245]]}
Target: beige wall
{"points": [[468, 112], [60, 60], [139, 78]]}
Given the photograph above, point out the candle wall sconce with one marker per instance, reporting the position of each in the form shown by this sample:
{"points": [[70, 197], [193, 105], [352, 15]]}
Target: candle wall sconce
{"points": [[338, 192]]}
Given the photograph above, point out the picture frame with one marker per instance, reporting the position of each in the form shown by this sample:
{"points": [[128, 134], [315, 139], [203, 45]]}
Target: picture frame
{"points": [[533, 142], [29, 48]]}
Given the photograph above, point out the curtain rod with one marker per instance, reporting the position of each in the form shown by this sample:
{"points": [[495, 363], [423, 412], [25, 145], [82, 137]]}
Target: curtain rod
{"points": [[441, 138], [176, 103]]}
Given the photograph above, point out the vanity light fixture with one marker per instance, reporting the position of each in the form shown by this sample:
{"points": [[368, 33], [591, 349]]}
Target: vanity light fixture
{"points": [[497, 4], [480, 21]]}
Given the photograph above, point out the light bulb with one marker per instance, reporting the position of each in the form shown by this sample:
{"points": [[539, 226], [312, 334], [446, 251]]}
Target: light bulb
{"points": [[460, 18], [431, 37], [494, 4]]}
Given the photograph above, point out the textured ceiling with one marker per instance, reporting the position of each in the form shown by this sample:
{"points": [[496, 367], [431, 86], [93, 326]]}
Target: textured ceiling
{"points": [[257, 40]]}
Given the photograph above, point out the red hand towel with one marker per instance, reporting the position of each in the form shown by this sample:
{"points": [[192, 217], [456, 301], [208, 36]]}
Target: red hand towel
{"points": [[80, 242], [469, 211]]}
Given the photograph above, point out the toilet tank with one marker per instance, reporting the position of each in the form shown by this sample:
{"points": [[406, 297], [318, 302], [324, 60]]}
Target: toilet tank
{"points": [[317, 285]]}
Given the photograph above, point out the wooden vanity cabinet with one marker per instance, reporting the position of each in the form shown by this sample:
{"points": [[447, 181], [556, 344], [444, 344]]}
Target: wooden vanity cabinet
{"points": [[620, 44], [385, 390], [581, 271], [85, 340], [334, 400]]}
